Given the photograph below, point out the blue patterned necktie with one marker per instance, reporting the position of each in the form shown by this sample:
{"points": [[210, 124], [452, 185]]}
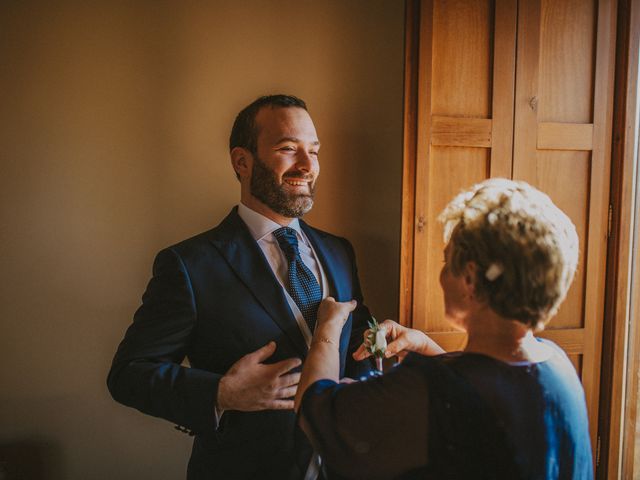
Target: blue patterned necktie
{"points": [[302, 286]]}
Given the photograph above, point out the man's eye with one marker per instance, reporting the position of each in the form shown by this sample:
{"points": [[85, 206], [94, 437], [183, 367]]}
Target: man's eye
{"points": [[313, 153], [288, 149]]}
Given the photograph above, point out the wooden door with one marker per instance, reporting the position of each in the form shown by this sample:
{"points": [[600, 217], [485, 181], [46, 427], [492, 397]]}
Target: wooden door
{"points": [[519, 89]]}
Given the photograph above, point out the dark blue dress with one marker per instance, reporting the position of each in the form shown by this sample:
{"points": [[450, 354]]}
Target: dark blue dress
{"points": [[454, 416]]}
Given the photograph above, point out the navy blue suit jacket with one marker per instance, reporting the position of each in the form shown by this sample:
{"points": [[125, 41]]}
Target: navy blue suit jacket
{"points": [[213, 298]]}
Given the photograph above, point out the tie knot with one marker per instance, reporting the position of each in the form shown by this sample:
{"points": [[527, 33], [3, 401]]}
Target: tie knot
{"points": [[288, 241]]}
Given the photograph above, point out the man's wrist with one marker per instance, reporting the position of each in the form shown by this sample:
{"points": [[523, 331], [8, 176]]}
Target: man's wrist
{"points": [[221, 397]]}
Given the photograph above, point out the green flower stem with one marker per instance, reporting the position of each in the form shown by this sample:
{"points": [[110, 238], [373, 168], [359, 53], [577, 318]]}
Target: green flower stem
{"points": [[379, 363]]}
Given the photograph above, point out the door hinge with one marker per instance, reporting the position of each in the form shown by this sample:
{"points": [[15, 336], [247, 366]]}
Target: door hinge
{"points": [[610, 221], [598, 451], [421, 223]]}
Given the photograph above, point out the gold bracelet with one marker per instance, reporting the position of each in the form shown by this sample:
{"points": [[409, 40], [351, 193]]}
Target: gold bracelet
{"points": [[324, 340]]}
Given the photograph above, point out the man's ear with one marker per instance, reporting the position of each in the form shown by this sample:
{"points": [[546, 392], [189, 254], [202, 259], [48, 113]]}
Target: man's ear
{"points": [[241, 160]]}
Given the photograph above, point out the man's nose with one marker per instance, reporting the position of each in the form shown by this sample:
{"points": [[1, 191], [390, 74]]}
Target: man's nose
{"points": [[305, 161]]}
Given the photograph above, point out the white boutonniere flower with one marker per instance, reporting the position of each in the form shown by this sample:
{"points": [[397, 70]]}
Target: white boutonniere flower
{"points": [[376, 342]]}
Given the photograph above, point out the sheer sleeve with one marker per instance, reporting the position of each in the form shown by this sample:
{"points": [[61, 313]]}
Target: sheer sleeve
{"points": [[371, 429]]}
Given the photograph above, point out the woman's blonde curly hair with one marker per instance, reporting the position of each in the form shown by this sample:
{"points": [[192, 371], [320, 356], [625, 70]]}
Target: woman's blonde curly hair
{"points": [[525, 248]]}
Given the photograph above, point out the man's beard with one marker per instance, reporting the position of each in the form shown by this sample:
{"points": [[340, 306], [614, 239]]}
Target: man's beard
{"points": [[265, 187]]}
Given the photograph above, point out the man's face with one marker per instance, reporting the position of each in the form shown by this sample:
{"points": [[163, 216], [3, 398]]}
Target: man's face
{"points": [[285, 166]]}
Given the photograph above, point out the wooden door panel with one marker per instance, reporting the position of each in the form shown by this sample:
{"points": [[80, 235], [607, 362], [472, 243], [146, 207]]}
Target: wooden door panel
{"points": [[521, 89], [565, 136], [563, 94], [463, 167], [566, 60], [461, 69], [454, 133], [565, 177], [577, 362]]}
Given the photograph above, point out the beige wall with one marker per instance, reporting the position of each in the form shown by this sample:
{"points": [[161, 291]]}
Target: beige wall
{"points": [[114, 120]]}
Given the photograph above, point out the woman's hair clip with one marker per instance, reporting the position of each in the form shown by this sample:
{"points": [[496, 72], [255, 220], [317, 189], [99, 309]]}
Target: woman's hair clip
{"points": [[493, 272]]}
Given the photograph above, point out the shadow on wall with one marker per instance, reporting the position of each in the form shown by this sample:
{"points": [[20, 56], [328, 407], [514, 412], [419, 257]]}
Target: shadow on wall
{"points": [[28, 460], [114, 128]]}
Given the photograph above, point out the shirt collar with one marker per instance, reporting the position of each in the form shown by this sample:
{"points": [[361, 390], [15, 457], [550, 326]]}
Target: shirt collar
{"points": [[261, 226]]}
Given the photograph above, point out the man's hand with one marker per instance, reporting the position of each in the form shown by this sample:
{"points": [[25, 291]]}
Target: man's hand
{"points": [[251, 385]]}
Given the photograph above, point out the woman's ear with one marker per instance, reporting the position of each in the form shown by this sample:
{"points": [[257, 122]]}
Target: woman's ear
{"points": [[469, 274], [241, 160]]}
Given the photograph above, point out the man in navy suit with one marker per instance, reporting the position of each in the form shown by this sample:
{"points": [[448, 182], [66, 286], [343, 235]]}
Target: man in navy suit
{"points": [[239, 301]]}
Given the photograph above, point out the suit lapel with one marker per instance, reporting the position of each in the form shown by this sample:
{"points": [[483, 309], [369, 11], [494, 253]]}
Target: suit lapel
{"points": [[237, 246], [336, 275], [338, 271]]}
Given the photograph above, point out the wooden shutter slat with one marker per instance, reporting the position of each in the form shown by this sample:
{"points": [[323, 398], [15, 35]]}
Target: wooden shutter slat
{"points": [[565, 136], [460, 132]]}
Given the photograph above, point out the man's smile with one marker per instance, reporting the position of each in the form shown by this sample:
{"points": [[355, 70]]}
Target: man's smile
{"points": [[297, 182]]}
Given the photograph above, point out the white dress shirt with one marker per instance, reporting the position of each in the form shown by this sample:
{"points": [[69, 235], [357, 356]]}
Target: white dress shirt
{"points": [[261, 229]]}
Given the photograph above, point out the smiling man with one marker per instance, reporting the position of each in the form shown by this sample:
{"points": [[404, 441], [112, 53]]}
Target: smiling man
{"points": [[240, 302]]}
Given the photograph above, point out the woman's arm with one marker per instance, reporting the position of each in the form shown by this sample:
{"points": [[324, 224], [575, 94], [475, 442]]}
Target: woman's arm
{"points": [[373, 429], [402, 340], [323, 359], [360, 429]]}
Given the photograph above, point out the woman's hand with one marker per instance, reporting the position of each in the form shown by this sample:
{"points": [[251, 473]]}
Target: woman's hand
{"points": [[333, 315], [401, 341]]}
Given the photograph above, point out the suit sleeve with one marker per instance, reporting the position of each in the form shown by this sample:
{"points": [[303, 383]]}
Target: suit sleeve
{"points": [[146, 372], [360, 322]]}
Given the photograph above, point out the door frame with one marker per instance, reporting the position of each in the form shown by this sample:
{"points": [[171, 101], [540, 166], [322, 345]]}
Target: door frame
{"points": [[621, 338]]}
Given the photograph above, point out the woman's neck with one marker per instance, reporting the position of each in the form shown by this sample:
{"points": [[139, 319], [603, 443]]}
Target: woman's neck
{"points": [[504, 339]]}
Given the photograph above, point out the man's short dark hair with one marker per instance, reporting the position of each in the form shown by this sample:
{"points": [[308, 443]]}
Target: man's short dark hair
{"points": [[244, 133]]}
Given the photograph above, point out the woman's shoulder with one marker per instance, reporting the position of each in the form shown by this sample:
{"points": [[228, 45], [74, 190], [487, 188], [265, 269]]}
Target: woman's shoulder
{"points": [[449, 372], [555, 367]]}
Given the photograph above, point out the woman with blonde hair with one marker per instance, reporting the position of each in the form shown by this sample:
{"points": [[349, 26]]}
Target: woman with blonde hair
{"points": [[510, 405]]}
